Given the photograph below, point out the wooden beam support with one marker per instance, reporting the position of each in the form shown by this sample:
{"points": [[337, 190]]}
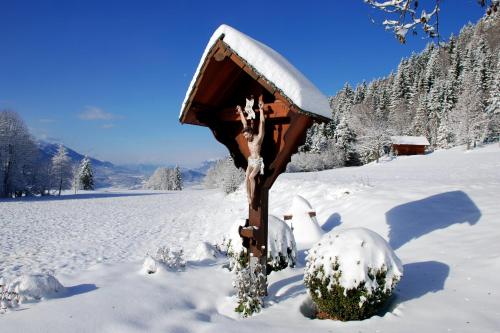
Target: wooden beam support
{"points": [[273, 111]]}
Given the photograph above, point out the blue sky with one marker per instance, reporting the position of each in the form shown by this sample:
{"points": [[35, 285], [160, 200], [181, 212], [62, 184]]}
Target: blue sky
{"points": [[107, 78]]}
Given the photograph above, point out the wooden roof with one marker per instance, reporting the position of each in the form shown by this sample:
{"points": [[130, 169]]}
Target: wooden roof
{"points": [[410, 140], [234, 66]]}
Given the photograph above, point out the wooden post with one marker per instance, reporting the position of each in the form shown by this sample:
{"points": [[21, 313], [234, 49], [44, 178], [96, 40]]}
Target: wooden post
{"points": [[258, 216]]}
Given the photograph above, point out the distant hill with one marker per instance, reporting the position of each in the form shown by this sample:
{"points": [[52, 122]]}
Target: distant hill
{"points": [[130, 176], [106, 174], [205, 166], [48, 150]]}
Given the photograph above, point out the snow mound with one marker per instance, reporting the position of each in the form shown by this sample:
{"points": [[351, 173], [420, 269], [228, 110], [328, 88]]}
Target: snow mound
{"points": [[149, 266], [305, 227], [34, 287], [234, 241], [204, 252], [282, 251], [357, 254]]}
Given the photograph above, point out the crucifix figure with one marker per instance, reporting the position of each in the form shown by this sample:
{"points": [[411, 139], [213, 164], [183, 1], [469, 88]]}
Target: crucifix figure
{"points": [[255, 161]]}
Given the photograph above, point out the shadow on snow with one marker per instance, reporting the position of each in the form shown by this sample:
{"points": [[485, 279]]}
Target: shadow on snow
{"points": [[333, 221], [417, 218], [419, 279], [98, 195], [79, 289]]}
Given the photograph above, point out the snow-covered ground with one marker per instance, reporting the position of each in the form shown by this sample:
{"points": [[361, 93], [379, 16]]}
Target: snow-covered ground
{"points": [[440, 212]]}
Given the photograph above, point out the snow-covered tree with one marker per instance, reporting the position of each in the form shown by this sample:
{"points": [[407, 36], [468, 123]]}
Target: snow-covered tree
{"points": [[224, 175], [372, 133], [407, 15], [165, 179], [159, 180], [178, 184], [468, 117], [86, 174], [61, 170], [42, 177], [345, 140], [17, 155], [493, 108], [433, 68]]}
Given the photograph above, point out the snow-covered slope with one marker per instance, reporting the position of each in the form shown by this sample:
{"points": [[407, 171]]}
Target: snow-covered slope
{"points": [[439, 212]]}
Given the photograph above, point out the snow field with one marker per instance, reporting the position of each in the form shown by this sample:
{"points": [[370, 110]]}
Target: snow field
{"points": [[439, 212]]}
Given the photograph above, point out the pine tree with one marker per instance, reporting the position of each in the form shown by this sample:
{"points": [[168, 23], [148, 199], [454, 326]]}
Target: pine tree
{"points": [[345, 140], [432, 70], [86, 175], [360, 93], [468, 117], [482, 62], [493, 104], [421, 117], [61, 170], [178, 185]]}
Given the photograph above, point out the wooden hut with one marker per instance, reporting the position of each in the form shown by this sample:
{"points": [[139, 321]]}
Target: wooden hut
{"points": [[409, 145], [233, 68]]}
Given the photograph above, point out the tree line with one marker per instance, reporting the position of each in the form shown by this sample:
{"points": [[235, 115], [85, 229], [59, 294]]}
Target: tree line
{"points": [[165, 179], [23, 169], [449, 93]]}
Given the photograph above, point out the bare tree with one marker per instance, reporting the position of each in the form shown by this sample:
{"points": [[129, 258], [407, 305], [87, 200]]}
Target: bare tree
{"points": [[62, 170], [17, 154], [406, 16], [371, 130]]}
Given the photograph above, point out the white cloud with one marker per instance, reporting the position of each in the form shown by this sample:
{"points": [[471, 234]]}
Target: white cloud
{"points": [[95, 113]]}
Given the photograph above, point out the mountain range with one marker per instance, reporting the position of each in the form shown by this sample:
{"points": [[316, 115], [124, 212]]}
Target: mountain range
{"points": [[130, 176]]}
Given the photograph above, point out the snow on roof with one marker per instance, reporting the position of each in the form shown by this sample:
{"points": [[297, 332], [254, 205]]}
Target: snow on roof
{"points": [[410, 140], [273, 66]]}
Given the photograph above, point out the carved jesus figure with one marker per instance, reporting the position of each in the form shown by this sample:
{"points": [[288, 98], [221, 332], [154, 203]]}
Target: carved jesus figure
{"points": [[255, 161]]}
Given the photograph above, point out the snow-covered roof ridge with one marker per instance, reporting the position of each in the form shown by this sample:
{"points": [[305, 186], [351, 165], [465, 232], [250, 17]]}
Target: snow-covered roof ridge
{"points": [[410, 140], [272, 66]]}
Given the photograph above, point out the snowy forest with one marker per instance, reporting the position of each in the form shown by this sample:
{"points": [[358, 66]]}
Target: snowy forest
{"points": [[165, 179], [24, 171], [449, 93]]}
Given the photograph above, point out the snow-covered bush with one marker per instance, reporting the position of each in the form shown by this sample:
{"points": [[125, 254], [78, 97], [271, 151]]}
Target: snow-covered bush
{"points": [[8, 298], [32, 287], [281, 252], [304, 226], [351, 273], [171, 259], [250, 287], [331, 157]]}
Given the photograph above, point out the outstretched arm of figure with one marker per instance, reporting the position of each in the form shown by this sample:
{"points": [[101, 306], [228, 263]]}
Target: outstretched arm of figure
{"points": [[262, 122], [242, 116]]}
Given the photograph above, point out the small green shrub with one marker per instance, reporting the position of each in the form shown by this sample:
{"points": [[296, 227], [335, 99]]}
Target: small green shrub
{"points": [[351, 274], [334, 302]]}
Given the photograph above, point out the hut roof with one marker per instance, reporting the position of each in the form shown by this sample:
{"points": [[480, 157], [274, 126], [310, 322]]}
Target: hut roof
{"points": [[410, 140], [272, 66]]}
